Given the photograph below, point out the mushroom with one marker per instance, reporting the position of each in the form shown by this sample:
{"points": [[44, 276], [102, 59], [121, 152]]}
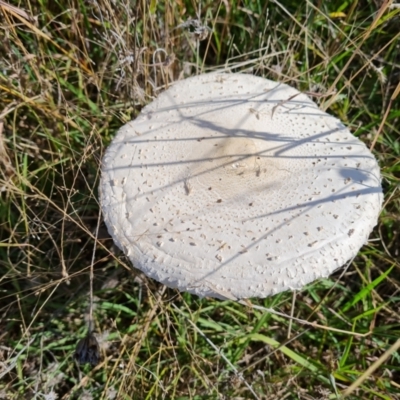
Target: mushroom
{"points": [[234, 186]]}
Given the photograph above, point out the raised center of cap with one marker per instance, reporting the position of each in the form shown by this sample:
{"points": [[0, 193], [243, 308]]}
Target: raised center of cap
{"points": [[228, 156], [237, 155], [229, 167]]}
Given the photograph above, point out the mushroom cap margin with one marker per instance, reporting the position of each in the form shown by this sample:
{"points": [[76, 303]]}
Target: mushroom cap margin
{"points": [[183, 191]]}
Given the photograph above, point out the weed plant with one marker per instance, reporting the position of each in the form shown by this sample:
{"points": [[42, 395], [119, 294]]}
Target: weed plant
{"points": [[71, 73]]}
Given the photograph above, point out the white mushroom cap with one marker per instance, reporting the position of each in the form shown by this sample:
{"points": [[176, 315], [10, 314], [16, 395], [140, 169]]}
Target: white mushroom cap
{"points": [[234, 186]]}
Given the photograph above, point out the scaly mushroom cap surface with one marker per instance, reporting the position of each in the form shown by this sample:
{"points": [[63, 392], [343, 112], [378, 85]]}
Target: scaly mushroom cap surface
{"points": [[234, 186]]}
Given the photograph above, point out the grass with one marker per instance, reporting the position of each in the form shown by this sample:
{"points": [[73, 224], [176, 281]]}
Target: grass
{"points": [[69, 78]]}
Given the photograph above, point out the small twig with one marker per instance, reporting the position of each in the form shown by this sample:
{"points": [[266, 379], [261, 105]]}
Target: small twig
{"points": [[198, 44], [91, 275], [291, 314], [302, 321], [15, 10], [88, 350], [383, 122], [320, 95], [155, 64]]}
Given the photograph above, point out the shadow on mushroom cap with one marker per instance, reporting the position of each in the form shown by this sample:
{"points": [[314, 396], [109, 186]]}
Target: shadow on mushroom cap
{"points": [[234, 186]]}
